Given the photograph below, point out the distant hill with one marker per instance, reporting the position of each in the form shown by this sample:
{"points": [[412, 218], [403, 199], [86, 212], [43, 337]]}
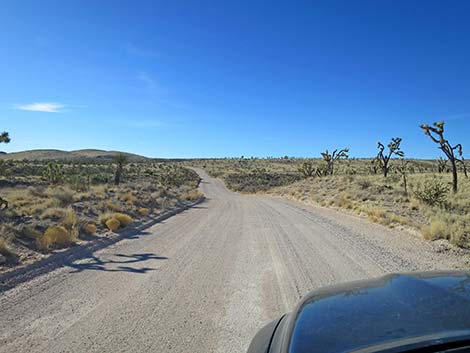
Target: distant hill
{"points": [[50, 154]]}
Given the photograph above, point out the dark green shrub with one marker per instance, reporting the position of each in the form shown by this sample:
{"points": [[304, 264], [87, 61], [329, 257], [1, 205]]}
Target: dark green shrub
{"points": [[432, 192]]}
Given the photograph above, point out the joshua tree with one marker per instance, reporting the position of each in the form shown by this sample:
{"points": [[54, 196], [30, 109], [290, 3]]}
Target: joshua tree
{"points": [[54, 173], [331, 158], [436, 134], [307, 169], [402, 168], [393, 149], [441, 165], [121, 161], [5, 138], [3, 167], [464, 167]]}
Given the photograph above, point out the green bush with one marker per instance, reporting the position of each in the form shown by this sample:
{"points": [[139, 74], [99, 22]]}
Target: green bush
{"points": [[432, 192]]}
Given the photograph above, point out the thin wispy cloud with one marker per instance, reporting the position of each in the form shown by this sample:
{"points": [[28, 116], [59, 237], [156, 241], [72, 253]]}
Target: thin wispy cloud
{"points": [[45, 107], [148, 124], [457, 116], [142, 52], [147, 79]]}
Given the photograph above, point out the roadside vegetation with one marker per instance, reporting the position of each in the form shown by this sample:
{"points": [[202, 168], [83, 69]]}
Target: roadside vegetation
{"points": [[48, 205], [431, 197]]}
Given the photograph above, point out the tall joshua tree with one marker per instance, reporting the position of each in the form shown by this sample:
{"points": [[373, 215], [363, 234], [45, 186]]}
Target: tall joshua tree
{"points": [[331, 158], [4, 138], [393, 149], [402, 168], [120, 161], [436, 134]]}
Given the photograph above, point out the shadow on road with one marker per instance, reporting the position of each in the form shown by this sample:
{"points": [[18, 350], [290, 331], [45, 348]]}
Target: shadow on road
{"points": [[98, 264]]}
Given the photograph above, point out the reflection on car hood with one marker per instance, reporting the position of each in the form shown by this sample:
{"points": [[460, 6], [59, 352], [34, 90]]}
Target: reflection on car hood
{"points": [[394, 307]]}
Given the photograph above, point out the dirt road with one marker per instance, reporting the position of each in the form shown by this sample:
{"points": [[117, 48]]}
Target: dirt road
{"points": [[204, 280]]}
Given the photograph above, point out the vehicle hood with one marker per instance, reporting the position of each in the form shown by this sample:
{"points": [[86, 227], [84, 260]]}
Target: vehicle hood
{"points": [[393, 308]]}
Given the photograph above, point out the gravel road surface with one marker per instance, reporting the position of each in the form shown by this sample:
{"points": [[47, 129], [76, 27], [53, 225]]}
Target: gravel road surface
{"points": [[206, 279]]}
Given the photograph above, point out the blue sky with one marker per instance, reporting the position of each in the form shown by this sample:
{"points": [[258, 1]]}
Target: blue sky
{"points": [[213, 79]]}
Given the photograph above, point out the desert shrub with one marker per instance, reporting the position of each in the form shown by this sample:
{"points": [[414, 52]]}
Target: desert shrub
{"points": [[192, 195], [100, 178], [63, 196], [253, 182], [364, 184], [78, 183], [29, 232], [5, 249], [437, 230], [104, 217], [38, 191], [112, 206], [123, 219], [128, 198], [54, 213], [112, 224], [89, 228], [55, 236], [414, 205], [143, 211], [431, 192], [70, 222], [54, 173]]}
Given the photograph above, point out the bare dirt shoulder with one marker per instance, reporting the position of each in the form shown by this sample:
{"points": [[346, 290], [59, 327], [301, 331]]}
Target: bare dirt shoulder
{"points": [[407, 241]]}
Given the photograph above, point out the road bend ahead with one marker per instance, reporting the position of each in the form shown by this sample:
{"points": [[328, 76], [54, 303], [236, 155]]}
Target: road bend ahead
{"points": [[204, 280]]}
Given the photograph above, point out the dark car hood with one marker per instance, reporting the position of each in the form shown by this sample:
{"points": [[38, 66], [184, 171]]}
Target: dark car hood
{"points": [[393, 308]]}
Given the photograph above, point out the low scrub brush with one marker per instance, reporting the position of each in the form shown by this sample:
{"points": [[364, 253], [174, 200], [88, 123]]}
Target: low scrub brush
{"points": [[192, 195], [55, 237], [128, 198], [432, 192], [113, 224], [437, 230], [90, 229], [5, 249], [143, 211], [123, 219]]}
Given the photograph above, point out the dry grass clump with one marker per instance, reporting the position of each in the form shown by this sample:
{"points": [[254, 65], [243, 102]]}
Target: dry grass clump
{"points": [[437, 230], [63, 196], [70, 222], [55, 237], [112, 206], [70, 218], [128, 197], [113, 224], [89, 228], [123, 219], [104, 217], [143, 211], [54, 213], [192, 195]]}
